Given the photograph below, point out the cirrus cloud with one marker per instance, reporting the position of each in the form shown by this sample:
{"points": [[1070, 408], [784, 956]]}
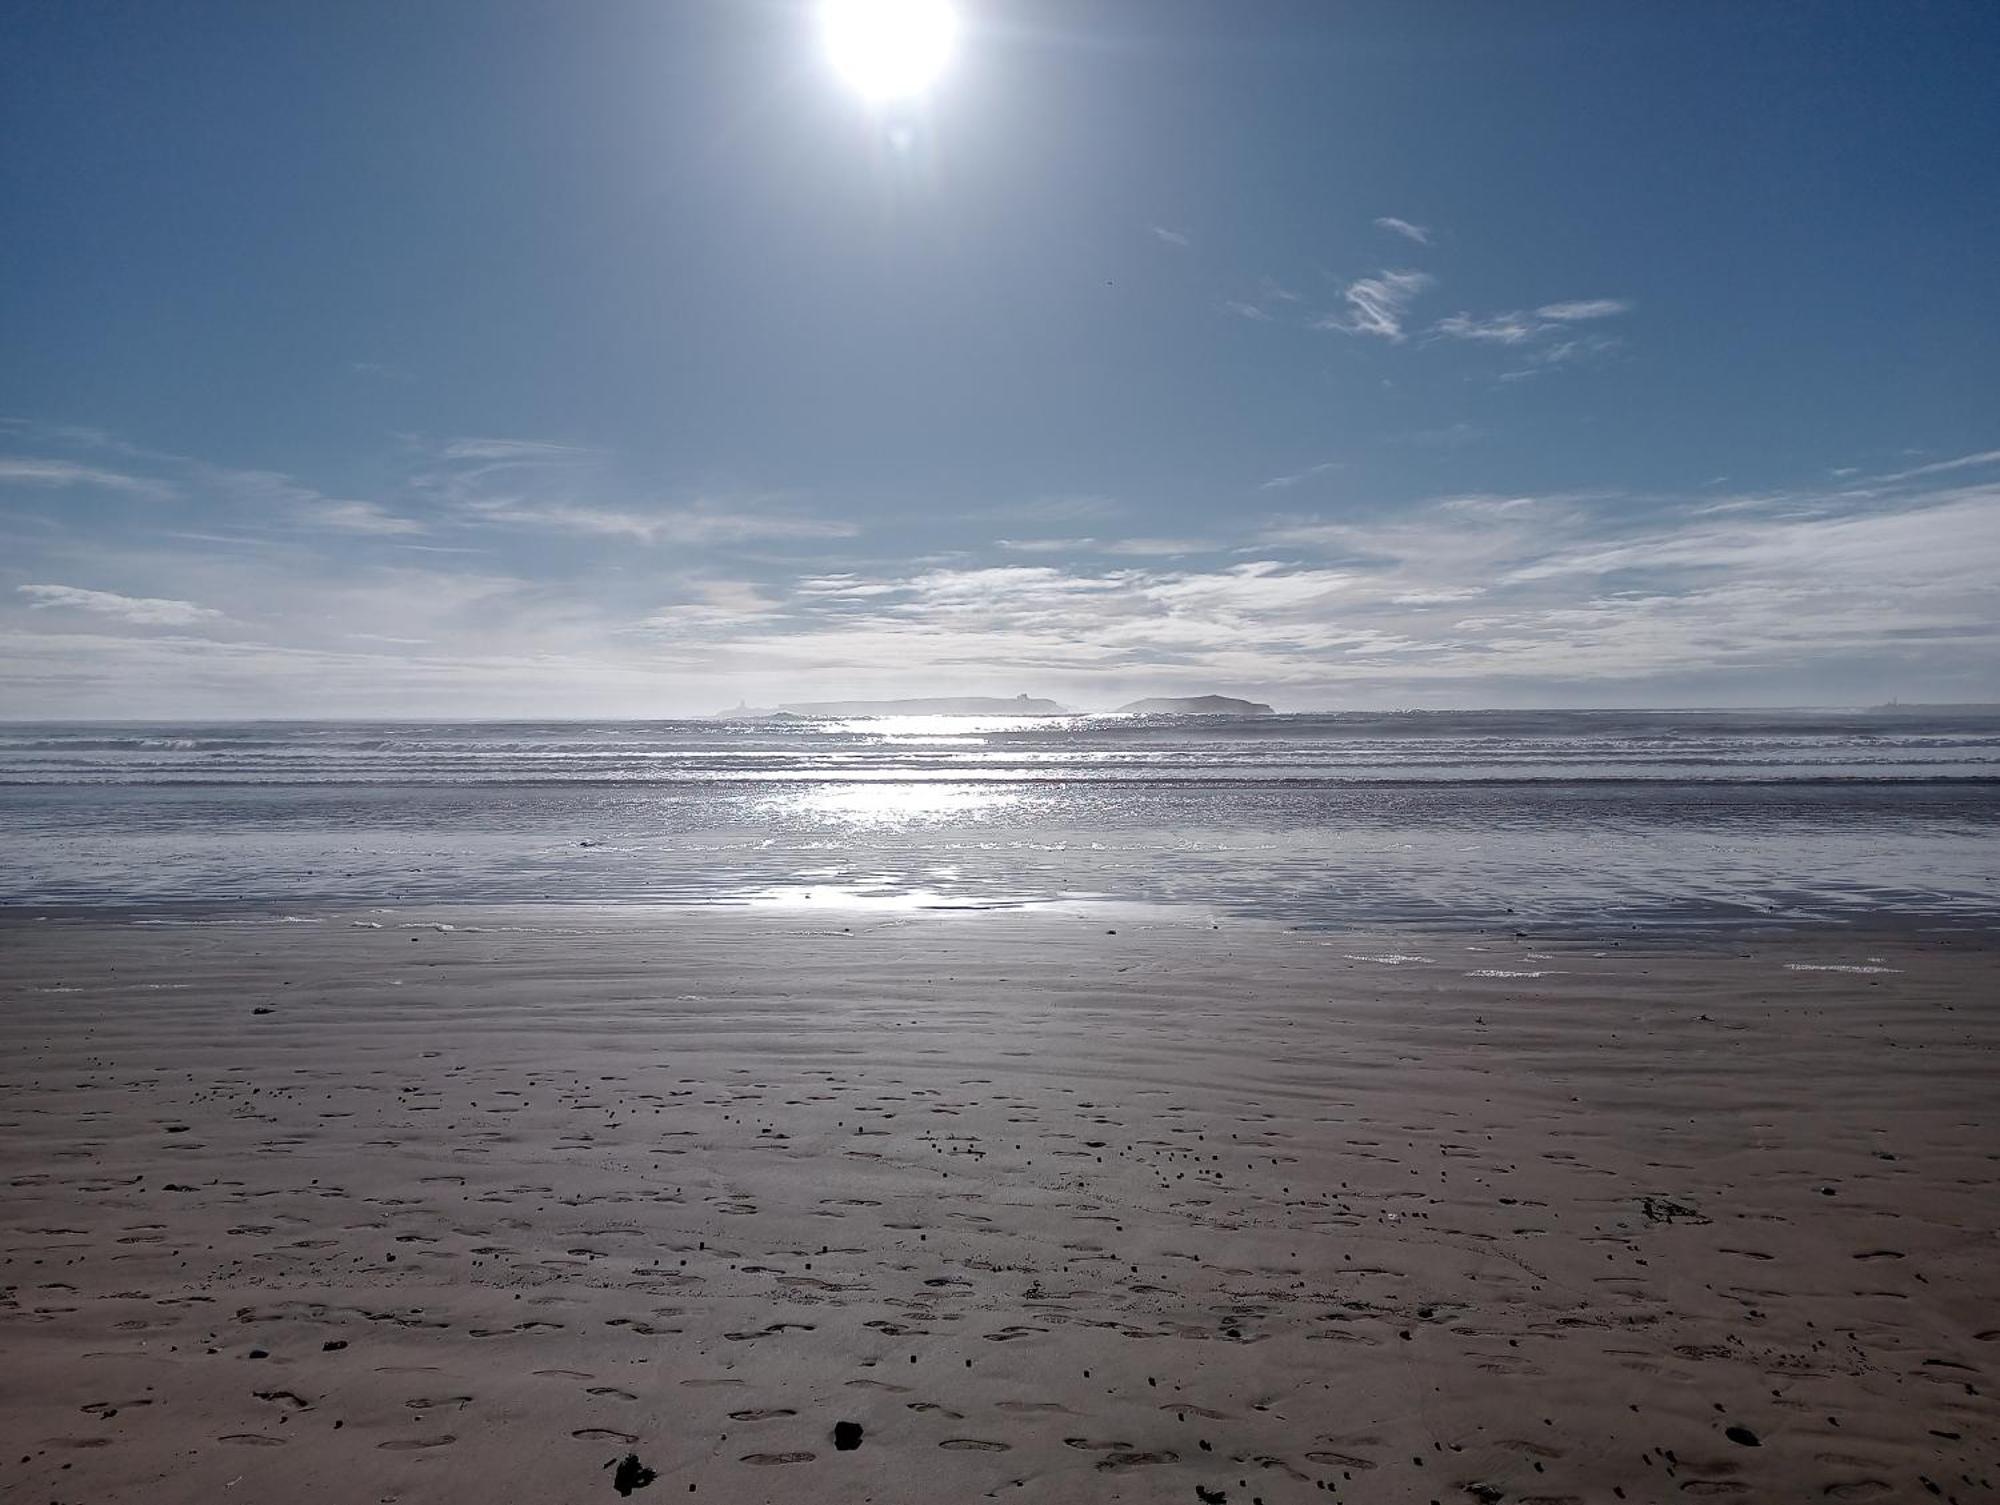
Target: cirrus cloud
{"points": [[145, 611], [1419, 233], [1376, 305]]}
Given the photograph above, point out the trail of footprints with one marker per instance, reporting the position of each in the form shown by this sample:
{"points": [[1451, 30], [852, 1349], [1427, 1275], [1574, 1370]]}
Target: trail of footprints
{"points": [[676, 1228]]}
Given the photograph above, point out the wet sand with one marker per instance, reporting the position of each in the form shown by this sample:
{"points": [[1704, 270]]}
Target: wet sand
{"points": [[331, 1212]]}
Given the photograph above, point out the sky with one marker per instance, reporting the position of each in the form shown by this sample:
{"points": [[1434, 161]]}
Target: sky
{"points": [[622, 359]]}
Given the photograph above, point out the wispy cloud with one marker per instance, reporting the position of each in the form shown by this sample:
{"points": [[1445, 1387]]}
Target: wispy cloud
{"points": [[1548, 334], [702, 522], [1376, 305], [145, 611], [1270, 300], [1940, 467], [1584, 308], [281, 498], [1297, 477], [508, 450], [507, 483], [22, 471], [1046, 545], [1170, 237], [1583, 347], [1081, 508], [843, 587], [362, 517], [1156, 548], [1418, 233], [1583, 588], [711, 604], [1498, 329], [1140, 548]]}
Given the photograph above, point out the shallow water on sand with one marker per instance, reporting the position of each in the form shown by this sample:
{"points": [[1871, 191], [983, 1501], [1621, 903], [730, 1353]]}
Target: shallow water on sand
{"points": [[1554, 818]]}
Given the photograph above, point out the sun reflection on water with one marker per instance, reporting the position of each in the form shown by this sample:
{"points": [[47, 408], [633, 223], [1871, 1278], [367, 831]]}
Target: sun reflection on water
{"points": [[894, 805], [884, 896]]}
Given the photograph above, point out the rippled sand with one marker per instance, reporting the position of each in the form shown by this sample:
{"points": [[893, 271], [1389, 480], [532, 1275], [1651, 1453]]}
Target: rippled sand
{"points": [[333, 1212]]}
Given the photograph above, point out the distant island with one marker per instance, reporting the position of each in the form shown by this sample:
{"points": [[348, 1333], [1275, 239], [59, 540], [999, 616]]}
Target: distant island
{"points": [[937, 705], [1194, 705]]}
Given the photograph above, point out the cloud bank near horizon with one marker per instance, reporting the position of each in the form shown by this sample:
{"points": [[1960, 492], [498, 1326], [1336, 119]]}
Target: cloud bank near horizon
{"points": [[509, 576]]}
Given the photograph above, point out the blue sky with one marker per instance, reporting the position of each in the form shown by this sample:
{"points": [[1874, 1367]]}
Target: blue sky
{"points": [[617, 359]]}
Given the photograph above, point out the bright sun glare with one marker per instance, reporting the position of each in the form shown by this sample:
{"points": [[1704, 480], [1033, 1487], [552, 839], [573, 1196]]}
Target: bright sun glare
{"points": [[888, 49]]}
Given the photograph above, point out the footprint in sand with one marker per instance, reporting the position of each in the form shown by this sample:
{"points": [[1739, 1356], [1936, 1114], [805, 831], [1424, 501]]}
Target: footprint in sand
{"points": [[1118, 1462], [1092, 1445], [762, 1415], [603, 1434], [1008, 1334], [611, 1390], [926, 1405], [1341, 1460], [410, 1444], [769, 1458], [253, 1440], [974, 1445], [1265, 1460]]}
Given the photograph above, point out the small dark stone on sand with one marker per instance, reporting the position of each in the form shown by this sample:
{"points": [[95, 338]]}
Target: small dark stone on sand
{"points": [[631, 1475], [847, 1435], [1209, 1496], [1486, 1494], [1743, 1437], [333, 1345]]}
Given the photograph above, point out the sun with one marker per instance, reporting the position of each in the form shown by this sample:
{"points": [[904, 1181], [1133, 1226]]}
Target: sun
{"points": [[888, 49]]}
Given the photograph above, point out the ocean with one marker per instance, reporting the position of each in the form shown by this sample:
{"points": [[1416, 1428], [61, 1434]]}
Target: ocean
{"points": [[1571, 820]]}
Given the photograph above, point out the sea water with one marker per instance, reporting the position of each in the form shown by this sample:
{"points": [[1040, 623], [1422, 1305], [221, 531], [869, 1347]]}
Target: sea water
{"points": [[1574, 819]]}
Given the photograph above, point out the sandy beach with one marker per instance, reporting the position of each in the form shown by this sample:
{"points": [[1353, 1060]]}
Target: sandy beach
{"points": [[473, 1205]]}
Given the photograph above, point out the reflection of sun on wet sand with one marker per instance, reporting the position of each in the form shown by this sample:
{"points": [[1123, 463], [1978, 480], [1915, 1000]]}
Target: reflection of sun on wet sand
{"points": [[633, 1201]]}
